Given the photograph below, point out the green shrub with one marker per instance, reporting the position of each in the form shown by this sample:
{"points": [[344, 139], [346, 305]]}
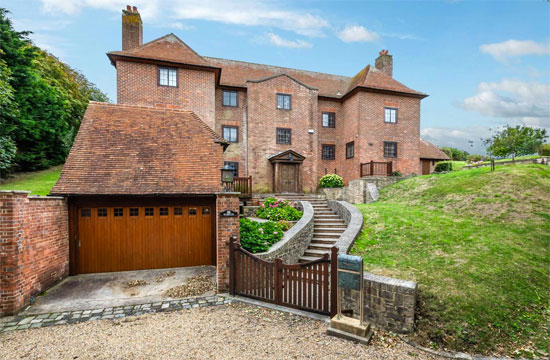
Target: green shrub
{"points": [[396, 173], [443, 166], [544, 150], [277, 209], [258, 237], [331, 181], [284, 224]]}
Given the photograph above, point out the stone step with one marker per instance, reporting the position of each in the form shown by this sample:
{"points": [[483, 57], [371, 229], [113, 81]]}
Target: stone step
{"points": [[315, 252], [321, 246], [332, 225], [324, 212], [325, 217], [326, 235], [305, 259], [330, 241], [328, 230], [328, 221]]}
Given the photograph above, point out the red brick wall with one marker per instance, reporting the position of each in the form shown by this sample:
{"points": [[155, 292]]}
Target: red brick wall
{"points": [[137, 84], [34, 247], [233, 116], [226, 227], [264, 118]]}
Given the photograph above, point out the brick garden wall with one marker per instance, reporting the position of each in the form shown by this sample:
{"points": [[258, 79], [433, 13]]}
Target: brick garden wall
{"points": [[34, 247], [225, 227]]}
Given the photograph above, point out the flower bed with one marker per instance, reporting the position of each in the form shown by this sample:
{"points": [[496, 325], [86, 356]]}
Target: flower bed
{"points": [[277, 209], [259, 236]]}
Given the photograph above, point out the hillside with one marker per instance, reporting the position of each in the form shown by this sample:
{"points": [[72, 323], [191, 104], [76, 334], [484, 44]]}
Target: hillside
{"points": [[478, 245]]}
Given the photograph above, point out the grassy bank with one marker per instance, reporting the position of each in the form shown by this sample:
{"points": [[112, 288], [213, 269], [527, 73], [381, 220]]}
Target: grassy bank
{"points": [[478, 245], [38, 182]]}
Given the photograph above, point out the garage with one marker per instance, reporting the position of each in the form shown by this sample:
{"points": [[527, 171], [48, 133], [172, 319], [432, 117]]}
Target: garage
{"points": [[143, 186], [121, 238]]}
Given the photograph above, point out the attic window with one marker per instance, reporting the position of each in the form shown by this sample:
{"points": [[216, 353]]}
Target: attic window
{"points": [[390, 115], [168, 77], [283, 101]]}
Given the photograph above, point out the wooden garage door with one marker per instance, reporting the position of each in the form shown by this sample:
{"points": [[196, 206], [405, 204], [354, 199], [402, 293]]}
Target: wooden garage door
{"points": [[149, 237]]}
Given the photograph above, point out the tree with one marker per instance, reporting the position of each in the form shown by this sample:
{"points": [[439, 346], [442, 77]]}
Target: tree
{"points": [[45, 101], [515, 141], [455, 154]]}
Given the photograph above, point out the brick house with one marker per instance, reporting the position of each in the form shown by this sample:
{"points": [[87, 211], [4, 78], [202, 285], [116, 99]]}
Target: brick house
{"points": [[429, 156], [334, 123]]}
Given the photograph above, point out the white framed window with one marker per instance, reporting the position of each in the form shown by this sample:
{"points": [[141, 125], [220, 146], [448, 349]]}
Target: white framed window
{"points": [[283, 101], [390, 115], [168, 77]]}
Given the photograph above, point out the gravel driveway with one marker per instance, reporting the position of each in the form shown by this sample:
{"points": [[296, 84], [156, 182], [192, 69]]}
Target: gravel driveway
{"points": [[235, 331]]}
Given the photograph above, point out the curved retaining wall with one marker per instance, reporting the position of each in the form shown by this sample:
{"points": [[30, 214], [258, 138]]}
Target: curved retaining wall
{"points": [[295, 241], [389, 303]]}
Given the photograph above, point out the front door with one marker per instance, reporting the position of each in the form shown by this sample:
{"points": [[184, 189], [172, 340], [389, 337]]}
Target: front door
{"points": [[289, 178], [426, 167]]}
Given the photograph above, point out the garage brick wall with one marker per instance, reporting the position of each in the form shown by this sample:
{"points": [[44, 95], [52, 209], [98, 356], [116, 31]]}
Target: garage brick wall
{"points": [[34, 247], [226, 227]]}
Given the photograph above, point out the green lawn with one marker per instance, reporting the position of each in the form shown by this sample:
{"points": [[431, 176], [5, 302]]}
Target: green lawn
{"points": [[38, 182], [477, 242]]}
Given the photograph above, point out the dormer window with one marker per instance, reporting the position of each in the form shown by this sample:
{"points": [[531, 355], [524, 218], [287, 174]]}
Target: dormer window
{"points": [[168, 77]]}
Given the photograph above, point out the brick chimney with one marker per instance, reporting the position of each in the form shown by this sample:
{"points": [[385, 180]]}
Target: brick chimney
{"points": [[384, 63], [132, 28]]}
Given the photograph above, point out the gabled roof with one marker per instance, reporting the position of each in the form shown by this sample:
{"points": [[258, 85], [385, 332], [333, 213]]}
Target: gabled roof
{"points": [[135, 150], [372, 78], [286, 156], [237, 73], [430, 151], [170, 48], [286, 75], [167, 48]]}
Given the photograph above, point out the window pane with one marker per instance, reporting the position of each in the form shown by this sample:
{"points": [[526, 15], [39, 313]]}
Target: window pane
{"points": [[178, 211], [279, 101], [149, 211], [325, 120], [172, 77], [390, 115], [283, 136], [85, 212], [328, 152], [164, 211], [134, 211], [102, 212], [229, 98], [230, 133], [234, 165]]}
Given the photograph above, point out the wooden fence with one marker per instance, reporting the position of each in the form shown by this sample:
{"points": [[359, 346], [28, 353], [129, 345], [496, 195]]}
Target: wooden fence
{"points": [[376, 168], [306, 286], [243, 185]]}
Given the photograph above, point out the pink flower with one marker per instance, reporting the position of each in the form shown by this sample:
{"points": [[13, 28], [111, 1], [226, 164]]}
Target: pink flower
{"points": [[275, 232]]}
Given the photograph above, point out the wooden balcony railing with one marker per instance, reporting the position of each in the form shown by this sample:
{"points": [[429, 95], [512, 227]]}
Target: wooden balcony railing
{"points": [[375, 168], [243, 185]]}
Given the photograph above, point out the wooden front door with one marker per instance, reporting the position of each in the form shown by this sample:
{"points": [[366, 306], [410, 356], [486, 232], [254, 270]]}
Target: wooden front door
{"points": [[113, 238], [289, 178], [426, 167]]}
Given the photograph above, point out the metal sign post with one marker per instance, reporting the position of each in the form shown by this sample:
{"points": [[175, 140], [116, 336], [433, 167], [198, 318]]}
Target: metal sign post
{"points": [[350, 277]]}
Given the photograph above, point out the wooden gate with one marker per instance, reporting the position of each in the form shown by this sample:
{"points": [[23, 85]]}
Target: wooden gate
{"points": [[307, 286]]}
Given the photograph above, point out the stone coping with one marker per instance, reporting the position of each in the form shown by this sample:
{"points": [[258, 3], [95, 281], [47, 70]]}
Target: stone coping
{"points": [[307, 217], [405, 285], [354, 220], [110, 313], [15, 191]]}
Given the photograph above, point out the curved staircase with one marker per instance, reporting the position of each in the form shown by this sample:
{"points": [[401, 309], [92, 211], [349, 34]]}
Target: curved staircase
{"points": [[327, 228]]}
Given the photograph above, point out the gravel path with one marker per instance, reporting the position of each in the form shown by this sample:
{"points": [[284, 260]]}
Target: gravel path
{"points": [[234, 331]]}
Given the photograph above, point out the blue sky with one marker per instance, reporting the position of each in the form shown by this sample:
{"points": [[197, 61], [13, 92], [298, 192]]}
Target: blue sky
{"points": [[484, 63]]}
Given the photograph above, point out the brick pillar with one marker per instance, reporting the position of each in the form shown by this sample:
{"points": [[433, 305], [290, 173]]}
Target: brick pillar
{"points": [[12, 214], [225, 228]]}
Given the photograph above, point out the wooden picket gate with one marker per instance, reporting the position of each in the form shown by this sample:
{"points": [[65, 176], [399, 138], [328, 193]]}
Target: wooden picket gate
{"points": [[307, 286]]}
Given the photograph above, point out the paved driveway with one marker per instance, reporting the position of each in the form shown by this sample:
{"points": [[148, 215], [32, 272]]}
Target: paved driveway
{"points": [[95, 291]]}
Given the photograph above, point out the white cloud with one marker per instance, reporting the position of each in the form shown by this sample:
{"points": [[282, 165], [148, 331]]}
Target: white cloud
{"points": [[180, 26], [502, 51], [239, 12], [279, 41], [356, 33], [467, 139], [511, 99]]}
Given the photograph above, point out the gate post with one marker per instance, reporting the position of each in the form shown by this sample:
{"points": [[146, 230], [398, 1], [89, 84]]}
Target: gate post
{"points": [[278, 281], [227, 226], [232, 268], [333, 281]]}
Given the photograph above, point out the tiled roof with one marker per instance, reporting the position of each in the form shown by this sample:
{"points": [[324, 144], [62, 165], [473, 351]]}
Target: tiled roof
{"points": [[237, 73], [135, 150], [166, 48], [373, 78], [430, 151]]}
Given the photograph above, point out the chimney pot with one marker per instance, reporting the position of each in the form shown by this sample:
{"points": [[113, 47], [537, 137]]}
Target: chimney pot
{"points": [[384, 62], [132, 28]]}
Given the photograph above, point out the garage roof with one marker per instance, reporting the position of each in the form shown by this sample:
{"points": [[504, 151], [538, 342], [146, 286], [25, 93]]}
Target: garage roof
{"points": [[430, 151], [136, 150]]}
